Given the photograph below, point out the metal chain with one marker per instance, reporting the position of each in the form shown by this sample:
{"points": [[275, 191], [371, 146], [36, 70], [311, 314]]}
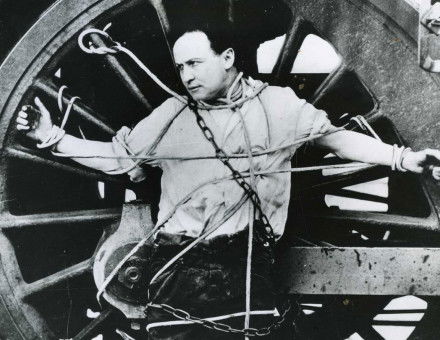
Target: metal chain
{"points": [[222, 327], [236, 175]]}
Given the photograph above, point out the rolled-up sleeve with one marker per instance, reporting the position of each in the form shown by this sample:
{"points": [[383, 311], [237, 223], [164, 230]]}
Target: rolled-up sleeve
{"points": [[143, 139], [122, 150]]}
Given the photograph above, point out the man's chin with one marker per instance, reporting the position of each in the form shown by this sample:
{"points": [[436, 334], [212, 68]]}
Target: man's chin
{"points": [[200, 95]]}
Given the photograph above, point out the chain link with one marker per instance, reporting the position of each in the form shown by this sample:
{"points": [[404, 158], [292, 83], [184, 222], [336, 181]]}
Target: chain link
{"points": [[222, 327], [236, 175]]}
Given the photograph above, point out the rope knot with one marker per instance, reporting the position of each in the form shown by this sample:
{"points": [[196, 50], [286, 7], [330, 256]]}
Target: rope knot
{"points": [[113, 47]]}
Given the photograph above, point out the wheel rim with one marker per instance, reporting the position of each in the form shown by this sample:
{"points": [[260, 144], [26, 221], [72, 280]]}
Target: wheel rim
{"points": [[19, 294]]}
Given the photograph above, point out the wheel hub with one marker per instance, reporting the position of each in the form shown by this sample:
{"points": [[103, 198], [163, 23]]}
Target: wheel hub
{"points": [[128, 290]]}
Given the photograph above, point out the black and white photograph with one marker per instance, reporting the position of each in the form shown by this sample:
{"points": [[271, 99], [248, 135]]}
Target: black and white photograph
{"points": [[219, 169]]}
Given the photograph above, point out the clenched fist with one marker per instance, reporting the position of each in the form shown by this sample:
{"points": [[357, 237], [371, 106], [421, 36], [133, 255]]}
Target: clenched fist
{"points": [[423, 161], [38, 127]]}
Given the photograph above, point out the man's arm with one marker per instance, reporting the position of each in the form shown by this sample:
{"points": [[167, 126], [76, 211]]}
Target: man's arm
{"points": [[69, 145], [358, 147]]}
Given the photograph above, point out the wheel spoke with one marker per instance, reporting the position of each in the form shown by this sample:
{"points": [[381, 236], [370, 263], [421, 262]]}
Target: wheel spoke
{"points": [[359, 195], [402, 311], [9, 260], [50, 89], [368, 333], [162, 14], [123, 74], [231, 10], [311, 307], [336, 182], [87, 331], [50, 281], [379, 220], [328, 83], [294, 38], [22, 153], [394, 323], [8, 220]]}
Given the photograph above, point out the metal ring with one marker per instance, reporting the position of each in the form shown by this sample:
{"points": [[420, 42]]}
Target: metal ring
{"points": [[96, 50]]}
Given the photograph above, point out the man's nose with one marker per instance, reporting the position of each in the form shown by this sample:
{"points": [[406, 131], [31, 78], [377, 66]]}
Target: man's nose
{"points": [[187, 75]]}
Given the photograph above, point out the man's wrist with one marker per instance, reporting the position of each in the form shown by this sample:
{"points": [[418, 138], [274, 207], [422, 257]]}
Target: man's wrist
{"points": [[55, 147], [44, 136], [406, 157]]}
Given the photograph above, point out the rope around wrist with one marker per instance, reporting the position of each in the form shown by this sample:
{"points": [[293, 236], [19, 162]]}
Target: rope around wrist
{"points": [[57, 133], [54, 136], [399, 154]]}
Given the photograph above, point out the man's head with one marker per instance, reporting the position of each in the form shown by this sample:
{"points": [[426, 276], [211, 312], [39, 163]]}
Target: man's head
{"points": [[206, 65]]}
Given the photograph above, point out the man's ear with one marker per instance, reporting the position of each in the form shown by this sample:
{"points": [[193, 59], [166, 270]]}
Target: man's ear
{"points": [[228, 57]]}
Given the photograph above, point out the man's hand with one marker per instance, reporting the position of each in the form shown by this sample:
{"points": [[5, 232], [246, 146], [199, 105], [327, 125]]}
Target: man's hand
{"points": [[423, 161], [38, 128]]}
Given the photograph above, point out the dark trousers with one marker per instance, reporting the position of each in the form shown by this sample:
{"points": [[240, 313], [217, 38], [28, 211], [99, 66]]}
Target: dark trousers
{"points": [[209, 281]]}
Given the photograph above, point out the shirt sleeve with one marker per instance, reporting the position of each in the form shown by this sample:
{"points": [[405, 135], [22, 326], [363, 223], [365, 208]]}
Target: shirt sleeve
{"points": [[307, 120], [143, 139]]}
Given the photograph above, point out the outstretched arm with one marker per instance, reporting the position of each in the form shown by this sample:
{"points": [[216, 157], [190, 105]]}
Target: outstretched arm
{"points": [[40, 129], [358, 147]]}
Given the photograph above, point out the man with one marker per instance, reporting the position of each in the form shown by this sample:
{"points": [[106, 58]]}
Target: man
{"points": [[195, 144]]}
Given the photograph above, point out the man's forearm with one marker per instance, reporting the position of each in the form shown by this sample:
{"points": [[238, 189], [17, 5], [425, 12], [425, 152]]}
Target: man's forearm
{"points": [[70, 145], [357, 147]]}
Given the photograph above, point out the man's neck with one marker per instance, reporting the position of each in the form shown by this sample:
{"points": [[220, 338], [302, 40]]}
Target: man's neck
{"points": [[232, 75]]}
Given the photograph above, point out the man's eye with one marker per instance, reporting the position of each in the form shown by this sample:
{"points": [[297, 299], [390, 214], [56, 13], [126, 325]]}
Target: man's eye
{"points": [[193, 63]]}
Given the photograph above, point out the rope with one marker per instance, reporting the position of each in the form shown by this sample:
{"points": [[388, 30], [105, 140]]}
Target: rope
{"points": [[229, 213], [398, 152], [175, 157], [273, 312], [60, 97], [251, 227], [115, 270], [54, 136], [145, 156], [251, 217]]}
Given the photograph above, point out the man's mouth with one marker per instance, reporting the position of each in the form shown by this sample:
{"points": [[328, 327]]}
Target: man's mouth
{"points": [[194, 88]]}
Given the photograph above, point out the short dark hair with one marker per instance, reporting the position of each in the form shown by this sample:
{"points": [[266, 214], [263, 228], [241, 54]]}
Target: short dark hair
{"points": [[220, 35]]}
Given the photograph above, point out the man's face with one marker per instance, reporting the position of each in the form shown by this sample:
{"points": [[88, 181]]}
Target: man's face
{"points": [[203, 72]]}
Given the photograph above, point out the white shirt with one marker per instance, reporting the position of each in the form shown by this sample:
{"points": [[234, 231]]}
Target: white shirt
{"points": [[276, 117]]}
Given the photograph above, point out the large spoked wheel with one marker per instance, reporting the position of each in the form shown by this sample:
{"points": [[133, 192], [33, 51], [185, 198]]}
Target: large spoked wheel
{"points": [[54, 212]]}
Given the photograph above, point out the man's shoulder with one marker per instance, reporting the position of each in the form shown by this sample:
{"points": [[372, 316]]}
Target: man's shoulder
{"points": [[171, 103], [271, 91], [168, 108], [278, 97], [279, 91]]}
